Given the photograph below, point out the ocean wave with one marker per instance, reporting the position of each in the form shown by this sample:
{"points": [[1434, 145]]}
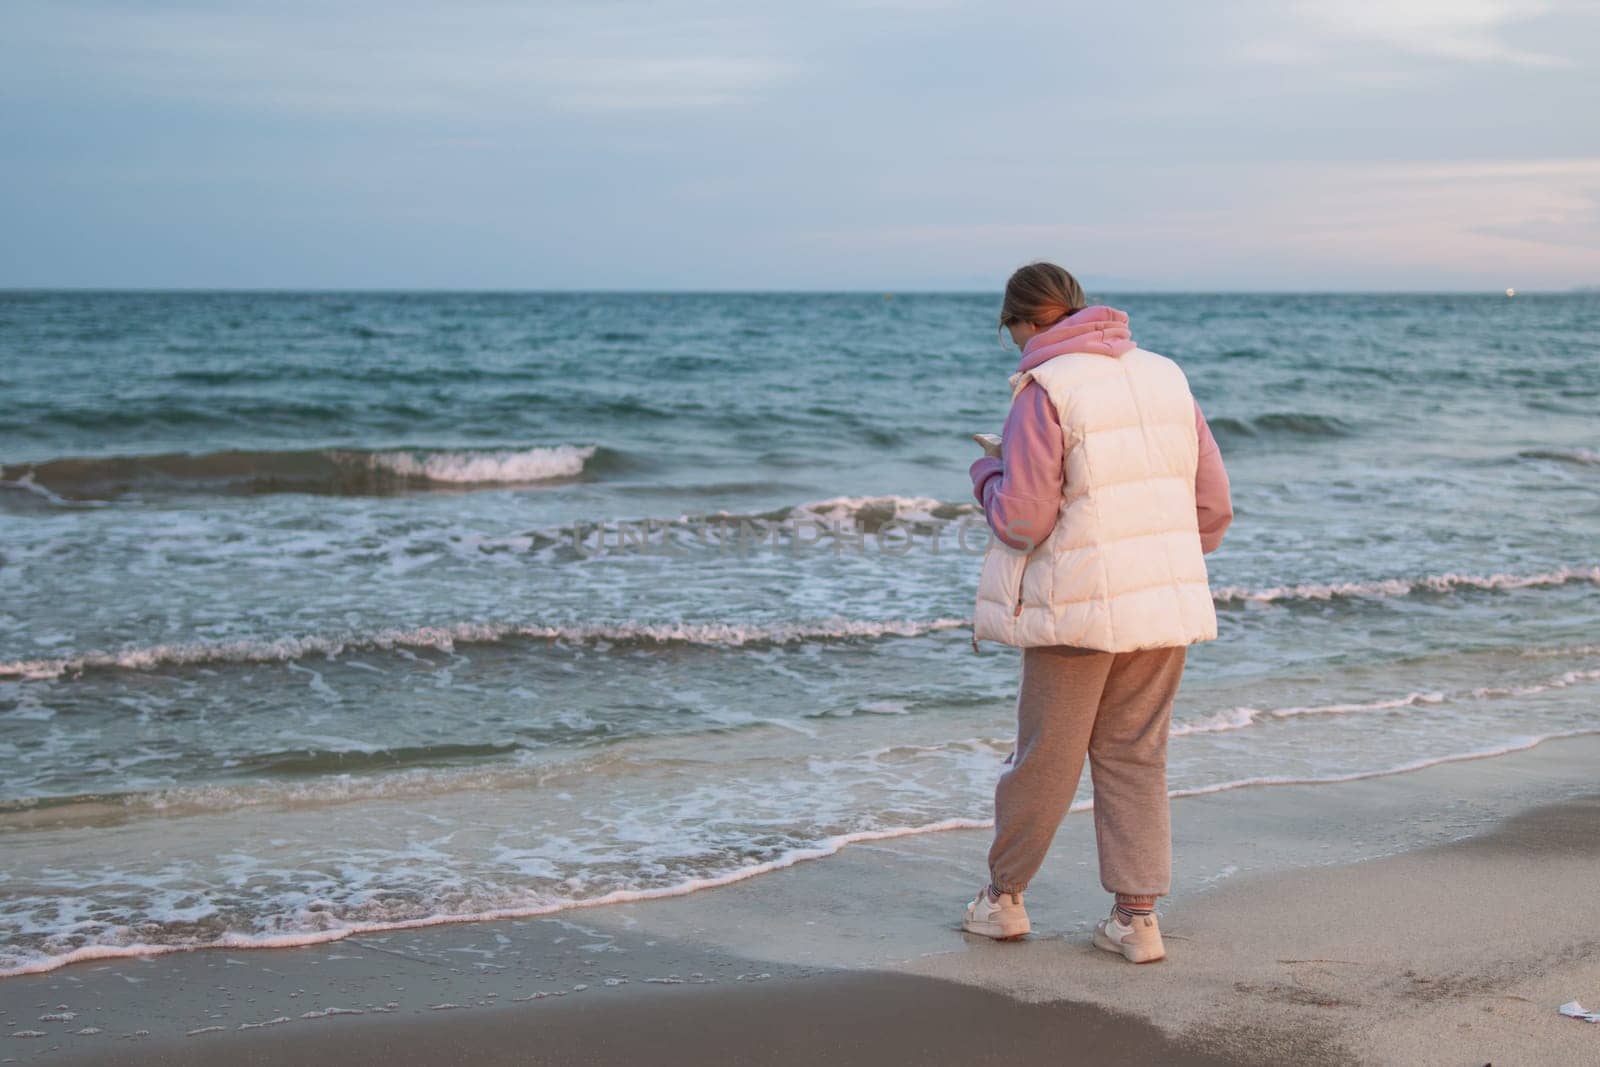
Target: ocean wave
{"points": [[1521, 744], [318, 778], [445, 638], [340, 472], [1399, 587], [237, 940], [1581, 457], [506, 467], [713, 634], [873, 512], [433, 374], [808, 523], [1560, 681], [870, 513], [316, 791], [1561, 652], [31, 492], [1242, 718], [1281, 424], [12, 963]]}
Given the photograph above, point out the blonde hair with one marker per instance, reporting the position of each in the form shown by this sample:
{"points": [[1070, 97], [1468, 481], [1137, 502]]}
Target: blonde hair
{"points": [[1040, 293]]}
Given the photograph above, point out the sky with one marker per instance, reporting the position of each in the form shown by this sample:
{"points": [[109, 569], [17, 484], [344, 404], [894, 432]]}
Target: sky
{"points": [[894, 145]]}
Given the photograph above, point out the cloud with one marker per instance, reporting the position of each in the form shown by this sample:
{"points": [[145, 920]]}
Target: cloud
{"points": [[1371, 225], [1455, 29], [713, 143], [1528, 223], [394, 61]]}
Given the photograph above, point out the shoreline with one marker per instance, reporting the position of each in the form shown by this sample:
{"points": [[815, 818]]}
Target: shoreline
{"points": [[827, 848], [876, 927]]}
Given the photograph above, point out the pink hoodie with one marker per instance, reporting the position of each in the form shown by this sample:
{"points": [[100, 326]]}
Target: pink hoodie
{"points": [[1022, 492]]}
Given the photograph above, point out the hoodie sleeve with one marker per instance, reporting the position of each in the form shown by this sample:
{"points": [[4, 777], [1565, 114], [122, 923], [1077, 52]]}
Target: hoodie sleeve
{"points": [[1213, 503], [1021, 491]]}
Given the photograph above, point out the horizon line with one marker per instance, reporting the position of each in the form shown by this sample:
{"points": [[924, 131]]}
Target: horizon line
{"points": [[463, 290]]}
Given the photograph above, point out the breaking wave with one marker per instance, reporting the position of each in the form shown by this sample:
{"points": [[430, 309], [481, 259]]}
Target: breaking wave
{"points": [[715, 634], [445, 638], [338, 472], [1241, 718], [1581, 457], [1399, 587]]}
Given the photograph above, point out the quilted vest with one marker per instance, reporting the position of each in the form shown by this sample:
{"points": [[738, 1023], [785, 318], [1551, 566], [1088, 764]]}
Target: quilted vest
{"points": [[1122, 568]]}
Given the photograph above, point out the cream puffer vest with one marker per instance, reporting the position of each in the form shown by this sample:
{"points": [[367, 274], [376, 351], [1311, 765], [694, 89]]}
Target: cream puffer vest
{"points": [[1122, 569]]}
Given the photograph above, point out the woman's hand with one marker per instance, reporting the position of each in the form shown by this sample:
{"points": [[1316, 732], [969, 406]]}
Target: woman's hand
{"points": [[989, 442]]}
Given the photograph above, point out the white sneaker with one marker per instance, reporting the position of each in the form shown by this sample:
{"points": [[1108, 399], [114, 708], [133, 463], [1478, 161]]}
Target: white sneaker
{"points": [[1139, 942], [1003, 920]]}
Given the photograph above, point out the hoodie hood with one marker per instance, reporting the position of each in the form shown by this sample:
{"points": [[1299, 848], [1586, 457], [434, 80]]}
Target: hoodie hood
{"points": [[1097, 330]]}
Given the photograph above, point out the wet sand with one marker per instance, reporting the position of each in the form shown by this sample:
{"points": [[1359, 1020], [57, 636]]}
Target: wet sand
{"points": [[1433, 917], [850, 1017]]}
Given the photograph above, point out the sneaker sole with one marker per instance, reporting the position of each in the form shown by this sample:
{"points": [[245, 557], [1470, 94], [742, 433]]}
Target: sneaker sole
{"points": [[1103, 942], [996, 931]]}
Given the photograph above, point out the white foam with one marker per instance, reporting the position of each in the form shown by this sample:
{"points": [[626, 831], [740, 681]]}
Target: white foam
{"points": [[445, 638], [1561, 681], [486, 467], [1398, 587], [904, 508], [1240, 718], [1520, 745], [731, 635], [827, 847], [1557, 653], [26, 483], [417, 783]]}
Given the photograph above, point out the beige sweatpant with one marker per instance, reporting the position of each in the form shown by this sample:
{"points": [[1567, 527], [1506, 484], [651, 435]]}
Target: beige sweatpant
{"points": [[1114, 708]]}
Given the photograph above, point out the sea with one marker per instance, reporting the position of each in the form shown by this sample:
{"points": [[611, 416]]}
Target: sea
{"points": [[324, 613]]}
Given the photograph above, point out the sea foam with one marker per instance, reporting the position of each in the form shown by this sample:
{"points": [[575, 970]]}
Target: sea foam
{"points": [[715, 634], [485, 467], [523, 770], [75, 481], [445, 638], [826, 847], [1399, 587]]}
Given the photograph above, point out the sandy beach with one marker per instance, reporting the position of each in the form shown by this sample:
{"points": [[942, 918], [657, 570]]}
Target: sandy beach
{"points": [[1438, 917], [545, 534]]}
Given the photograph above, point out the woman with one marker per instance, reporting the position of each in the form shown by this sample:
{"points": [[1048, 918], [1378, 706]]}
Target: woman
{"points": [[1104, 494]]}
